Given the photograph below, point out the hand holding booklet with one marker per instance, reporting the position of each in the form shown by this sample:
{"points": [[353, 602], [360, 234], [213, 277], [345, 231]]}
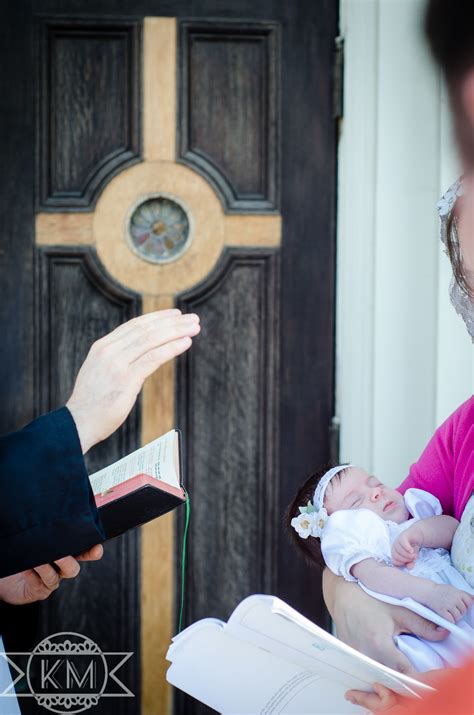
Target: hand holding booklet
{"points": [[270, 660], [142, 486]]}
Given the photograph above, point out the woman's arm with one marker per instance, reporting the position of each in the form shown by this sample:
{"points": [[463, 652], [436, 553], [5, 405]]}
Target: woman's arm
{"points": [[447, 601], [370, 625], [442, 469]]}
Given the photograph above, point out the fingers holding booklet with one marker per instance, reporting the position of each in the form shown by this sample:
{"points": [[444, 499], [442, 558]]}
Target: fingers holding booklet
{"points": [[289, 665]]}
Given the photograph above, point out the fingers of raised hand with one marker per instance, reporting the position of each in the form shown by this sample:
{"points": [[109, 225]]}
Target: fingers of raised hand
{"points": [[152, 360], [142, 321], [140, 341]]}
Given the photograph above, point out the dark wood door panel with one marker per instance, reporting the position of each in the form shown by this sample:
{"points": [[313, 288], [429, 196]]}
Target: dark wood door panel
{"points": [[88, 107], [229, 109], [227, 403]]}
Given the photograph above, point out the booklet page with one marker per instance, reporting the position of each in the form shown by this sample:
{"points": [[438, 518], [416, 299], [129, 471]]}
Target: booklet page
{"points": [[157, 459], [239, 678], [270, 623]]}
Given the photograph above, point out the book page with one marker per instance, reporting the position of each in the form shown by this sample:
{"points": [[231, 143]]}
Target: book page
{"points": [[239, 678], [270, 623], [157, 459]]}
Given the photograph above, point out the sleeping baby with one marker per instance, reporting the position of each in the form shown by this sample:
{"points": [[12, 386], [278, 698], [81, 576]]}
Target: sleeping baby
{"points": [[396, 547]]}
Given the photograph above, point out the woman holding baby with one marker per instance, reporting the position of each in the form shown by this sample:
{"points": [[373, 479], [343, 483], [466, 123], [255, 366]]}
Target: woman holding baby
{"points": [[414, 545]]}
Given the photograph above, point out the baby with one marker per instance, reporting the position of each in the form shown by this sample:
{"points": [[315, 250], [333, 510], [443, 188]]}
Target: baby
{"points": [[395, 547]]}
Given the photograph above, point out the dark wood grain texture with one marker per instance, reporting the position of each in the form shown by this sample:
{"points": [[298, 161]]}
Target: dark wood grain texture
{"points": [[227, 408], [229, 110], [308, 274], [17, 225], [88, 107], [77, 302]]}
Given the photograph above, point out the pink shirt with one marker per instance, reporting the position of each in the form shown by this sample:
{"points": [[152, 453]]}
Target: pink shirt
{"points": [[446, 467]]}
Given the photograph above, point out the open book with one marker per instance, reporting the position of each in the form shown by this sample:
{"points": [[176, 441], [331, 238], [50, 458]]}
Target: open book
{"points": [[142, 486], [269, 659]]}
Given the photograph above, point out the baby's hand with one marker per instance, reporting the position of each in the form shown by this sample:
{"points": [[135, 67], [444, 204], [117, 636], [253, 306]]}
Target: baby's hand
{"points": [[406, 547], [449, 602]]}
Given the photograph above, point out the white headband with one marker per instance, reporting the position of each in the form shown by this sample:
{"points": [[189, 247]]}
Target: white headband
{"points": [[313, 516]]}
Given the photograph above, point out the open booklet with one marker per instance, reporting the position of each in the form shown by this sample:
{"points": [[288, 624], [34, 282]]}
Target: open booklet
{"points": [[268, 659], [142, 486]]}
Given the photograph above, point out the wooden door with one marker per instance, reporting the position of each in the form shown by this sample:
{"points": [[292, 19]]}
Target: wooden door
{"points": [[200, 133]]}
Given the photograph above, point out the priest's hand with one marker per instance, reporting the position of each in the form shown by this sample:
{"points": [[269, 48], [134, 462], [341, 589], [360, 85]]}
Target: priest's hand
{"points": [[117, 365], [39, 583]]}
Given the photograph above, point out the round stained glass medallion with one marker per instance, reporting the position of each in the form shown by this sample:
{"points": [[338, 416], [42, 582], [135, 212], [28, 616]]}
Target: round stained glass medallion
{"points": [[159, 229]]}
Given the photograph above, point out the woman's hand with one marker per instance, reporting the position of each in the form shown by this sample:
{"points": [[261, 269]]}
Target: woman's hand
{"points": [[370, 625], [39, 583]]}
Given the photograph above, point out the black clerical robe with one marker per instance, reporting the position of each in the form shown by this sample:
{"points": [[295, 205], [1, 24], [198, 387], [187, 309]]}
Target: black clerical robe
{"points": [[47, 508]]}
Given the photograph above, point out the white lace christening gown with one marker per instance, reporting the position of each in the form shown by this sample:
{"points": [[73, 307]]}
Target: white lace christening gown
{"points": [[352, 535]]}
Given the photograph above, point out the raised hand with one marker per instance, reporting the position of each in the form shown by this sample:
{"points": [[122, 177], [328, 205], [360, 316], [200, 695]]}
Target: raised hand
{"points": [[117, 365]]}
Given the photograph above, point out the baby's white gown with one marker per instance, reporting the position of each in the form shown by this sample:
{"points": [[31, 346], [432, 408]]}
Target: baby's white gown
{"points": [[352, 535]]}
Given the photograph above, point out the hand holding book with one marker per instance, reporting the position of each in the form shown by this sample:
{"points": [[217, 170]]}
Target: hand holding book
{"points": [[287, 664], [142, 486]]}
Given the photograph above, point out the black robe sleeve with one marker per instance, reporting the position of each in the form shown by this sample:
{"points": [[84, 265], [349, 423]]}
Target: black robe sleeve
{"points": [[47, 508]]}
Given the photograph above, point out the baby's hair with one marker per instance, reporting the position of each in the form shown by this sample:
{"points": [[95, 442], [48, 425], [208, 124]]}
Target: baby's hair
{"points": [[310, 548]]}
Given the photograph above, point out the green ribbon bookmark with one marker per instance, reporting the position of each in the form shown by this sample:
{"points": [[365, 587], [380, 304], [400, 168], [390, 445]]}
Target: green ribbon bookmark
{"points": [[183, 560]]}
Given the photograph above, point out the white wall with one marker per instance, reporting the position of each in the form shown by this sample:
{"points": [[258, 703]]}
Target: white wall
{"points": [[404, 358]]}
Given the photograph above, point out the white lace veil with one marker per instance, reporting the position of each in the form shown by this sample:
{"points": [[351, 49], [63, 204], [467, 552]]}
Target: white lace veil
{"points": [[462, 302]]}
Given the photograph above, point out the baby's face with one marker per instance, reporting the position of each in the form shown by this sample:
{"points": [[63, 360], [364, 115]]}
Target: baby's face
{"points": [[356, 489]]}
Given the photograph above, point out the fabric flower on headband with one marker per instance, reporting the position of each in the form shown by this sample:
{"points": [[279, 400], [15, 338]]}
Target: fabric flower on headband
{"points": [[309, 522], [313, 517]]}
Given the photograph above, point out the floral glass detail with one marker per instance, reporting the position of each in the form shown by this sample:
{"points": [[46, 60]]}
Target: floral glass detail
{"points": [[159, 229]]}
